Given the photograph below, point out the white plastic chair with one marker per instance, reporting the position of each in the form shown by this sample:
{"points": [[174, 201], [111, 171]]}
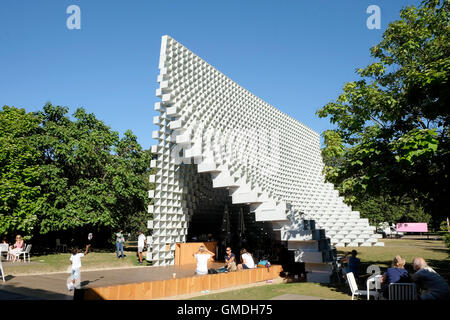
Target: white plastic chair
{"points": [[402, 291], [60, 245], [354, 287], [1, 270], [25, 253], [4, 248]]}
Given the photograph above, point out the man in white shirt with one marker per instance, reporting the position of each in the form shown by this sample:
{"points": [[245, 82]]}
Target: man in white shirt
{"points": [[142, 242], [202, 256]]}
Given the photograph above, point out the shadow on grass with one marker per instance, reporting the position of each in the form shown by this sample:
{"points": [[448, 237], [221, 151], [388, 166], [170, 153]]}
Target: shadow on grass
{"points": [[338, 287], [441, 250]]}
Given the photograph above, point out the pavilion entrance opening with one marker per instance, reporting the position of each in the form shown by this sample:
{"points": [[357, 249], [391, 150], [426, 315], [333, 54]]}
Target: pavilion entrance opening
{"points": [[214, 217]]}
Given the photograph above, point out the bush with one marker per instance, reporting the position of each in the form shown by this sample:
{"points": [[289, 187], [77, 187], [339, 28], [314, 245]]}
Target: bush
{"points": [[447, 239]]}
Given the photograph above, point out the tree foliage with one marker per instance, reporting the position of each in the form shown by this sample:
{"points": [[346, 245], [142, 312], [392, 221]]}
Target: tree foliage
{"points": [[393, 123], [72, 174], [21, 197]]}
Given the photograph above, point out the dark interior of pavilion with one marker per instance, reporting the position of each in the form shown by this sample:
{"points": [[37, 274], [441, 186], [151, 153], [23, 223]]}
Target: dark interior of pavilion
{"points": [[215, 218]]}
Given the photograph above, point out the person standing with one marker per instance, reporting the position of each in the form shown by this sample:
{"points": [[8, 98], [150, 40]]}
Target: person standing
{"points": [[120, 239], [142, 242], [75, 260]]}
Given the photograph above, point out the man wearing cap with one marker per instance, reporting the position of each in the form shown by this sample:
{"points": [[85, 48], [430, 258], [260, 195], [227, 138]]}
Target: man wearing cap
{"points": [[142, 242]]}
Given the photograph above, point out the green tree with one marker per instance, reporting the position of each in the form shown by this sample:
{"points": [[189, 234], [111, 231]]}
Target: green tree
{"points": [[67, 176], [131, 183], [76, 157], [394, 121], [382, 208], [21, 198], [94, 178]]}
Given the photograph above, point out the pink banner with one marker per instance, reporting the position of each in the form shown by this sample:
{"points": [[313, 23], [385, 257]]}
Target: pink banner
{"points": [[412, 227]]}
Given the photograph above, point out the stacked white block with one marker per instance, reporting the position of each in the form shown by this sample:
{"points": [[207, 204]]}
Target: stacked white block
{"points": [[208, 124]]}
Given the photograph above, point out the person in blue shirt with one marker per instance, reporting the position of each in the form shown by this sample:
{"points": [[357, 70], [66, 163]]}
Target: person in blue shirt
{"points": [[396, 274], [350, 264], [353, 264]]}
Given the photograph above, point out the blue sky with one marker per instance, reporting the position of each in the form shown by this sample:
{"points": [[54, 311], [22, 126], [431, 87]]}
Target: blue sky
{"points": [[294, 54]]}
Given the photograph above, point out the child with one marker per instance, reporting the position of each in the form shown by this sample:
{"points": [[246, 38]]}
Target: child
{"points": [[75, 260]]}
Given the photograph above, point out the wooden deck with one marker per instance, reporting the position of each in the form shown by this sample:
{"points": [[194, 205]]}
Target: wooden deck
{"points": [[179, 286]]}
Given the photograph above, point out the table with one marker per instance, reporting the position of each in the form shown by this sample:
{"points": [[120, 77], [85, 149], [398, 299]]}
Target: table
{"points": [[376, 279]]}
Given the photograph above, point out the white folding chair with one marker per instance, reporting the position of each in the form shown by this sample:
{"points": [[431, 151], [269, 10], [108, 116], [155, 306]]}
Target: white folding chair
{"points": [[4, 248], [25, 253], [354, 287], [60, 245], [402, 291], [1, 270]]}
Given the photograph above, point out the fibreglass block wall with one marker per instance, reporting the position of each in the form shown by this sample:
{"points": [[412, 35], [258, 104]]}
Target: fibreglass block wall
{"points": [[264, 157]]}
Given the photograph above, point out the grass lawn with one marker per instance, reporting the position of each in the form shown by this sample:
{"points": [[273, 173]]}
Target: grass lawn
{"points": [[60, 262], [434, 252]]}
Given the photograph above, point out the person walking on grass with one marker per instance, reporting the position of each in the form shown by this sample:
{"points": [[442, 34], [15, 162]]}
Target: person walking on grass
{"points": [[142, 242], [75, 260], [120, 239]]}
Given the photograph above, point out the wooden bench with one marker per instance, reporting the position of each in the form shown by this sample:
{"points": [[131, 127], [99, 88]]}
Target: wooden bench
{"points": [[175, 287]]}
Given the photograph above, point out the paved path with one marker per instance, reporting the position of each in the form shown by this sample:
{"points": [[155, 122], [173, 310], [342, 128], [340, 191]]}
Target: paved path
{"points": [[53, 286]]}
